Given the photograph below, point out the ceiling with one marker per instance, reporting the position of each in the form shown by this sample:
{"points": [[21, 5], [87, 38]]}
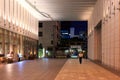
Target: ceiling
{"points": [[64, 10]]}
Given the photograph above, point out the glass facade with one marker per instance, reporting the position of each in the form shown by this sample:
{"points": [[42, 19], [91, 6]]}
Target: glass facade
{"points": [[11, 42], [1, 41], [30, 48]]}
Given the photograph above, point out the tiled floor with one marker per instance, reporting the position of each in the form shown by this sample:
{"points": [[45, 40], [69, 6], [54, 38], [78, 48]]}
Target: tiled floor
{"points": [[42, 69], [88, 70], [55, 69]]}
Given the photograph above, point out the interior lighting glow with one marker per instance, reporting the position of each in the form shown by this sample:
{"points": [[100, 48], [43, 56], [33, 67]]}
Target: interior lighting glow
{"points": [[30, 9], [20, 24], [17, 23], [0, 13], [9, 20], [23, 26], [64, 33], [4, 17], [43, 52], [13, 21]]}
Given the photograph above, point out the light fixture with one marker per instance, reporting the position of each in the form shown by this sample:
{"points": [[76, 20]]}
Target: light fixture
{"points": [[9, 19], [33, 10]]}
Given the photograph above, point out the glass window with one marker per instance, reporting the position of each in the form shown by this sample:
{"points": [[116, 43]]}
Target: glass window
{"points": [[7, 42], [51, 41], [1, 39], [40, 25], [40, 34]]}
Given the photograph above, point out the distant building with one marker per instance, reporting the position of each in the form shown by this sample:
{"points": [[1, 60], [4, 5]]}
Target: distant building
{"points": [[65, 34], [72, 32], [82, 35], [49, 36], [75, 33]]}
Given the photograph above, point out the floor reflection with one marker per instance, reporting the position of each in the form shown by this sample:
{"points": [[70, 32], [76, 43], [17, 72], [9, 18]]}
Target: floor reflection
{"points": [[32, 69]]}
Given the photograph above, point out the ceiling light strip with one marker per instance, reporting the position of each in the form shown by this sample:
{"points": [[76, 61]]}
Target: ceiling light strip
{"points": [[42, 13]]}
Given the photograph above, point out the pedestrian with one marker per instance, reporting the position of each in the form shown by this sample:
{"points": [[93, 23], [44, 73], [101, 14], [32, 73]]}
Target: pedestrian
{"points": [[80, 55]]}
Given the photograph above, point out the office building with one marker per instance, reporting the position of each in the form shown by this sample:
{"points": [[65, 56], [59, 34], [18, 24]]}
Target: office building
{"points": [[49, 37]]}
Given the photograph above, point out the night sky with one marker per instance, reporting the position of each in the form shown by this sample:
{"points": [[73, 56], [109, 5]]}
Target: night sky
{"points": [[65, 25], [78, 25]]}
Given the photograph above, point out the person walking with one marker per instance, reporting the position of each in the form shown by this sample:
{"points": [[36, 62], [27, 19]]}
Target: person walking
{"points": [[80, 55]]}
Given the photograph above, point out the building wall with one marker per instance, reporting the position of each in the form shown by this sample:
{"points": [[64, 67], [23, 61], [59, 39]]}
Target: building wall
{"points": [[91, 46], [16, 18], [92, 22], [51, 34], [18, 29], [47, 31], [111, 37], [108, 12]]}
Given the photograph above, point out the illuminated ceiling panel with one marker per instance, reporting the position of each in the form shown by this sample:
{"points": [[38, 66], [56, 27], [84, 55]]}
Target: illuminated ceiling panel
{"points": [[64, 10]]}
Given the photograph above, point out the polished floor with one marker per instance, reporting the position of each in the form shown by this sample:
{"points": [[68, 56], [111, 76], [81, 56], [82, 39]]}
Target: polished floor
{"points": [[42, 69], [55, 69], [88, 70]]}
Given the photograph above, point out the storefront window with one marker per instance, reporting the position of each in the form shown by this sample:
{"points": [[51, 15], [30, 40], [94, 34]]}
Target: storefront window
{"points": [[14, 43], [30, 47], [18, 42], [1, 41], [11, 37], [7, 43]]}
